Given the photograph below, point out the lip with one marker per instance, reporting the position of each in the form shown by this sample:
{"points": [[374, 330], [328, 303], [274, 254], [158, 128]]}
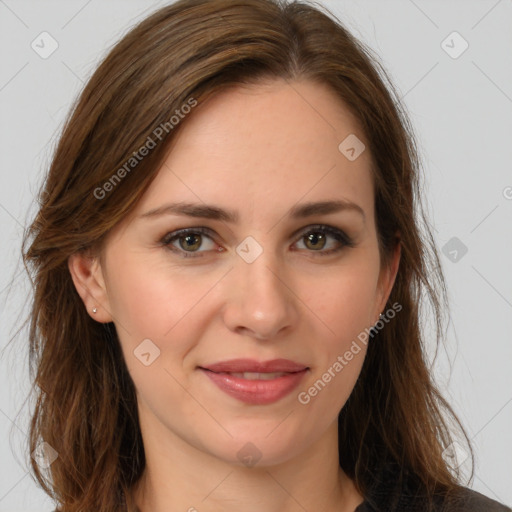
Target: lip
{"points": [[251, 365], [255, 391]]}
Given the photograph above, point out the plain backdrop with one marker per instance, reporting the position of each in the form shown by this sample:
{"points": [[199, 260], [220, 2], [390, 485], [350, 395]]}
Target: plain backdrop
{"points": [[458, 92]]}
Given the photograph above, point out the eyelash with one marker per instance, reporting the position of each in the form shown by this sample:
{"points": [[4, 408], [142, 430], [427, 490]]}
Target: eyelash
{"points": [[337, 234]]}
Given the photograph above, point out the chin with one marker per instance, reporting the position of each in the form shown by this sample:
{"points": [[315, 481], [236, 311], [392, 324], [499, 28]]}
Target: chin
{"points": [[258, 447]]}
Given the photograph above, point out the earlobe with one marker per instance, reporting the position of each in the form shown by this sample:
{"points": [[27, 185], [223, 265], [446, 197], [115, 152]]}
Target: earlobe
{"points": [[87, 276]]}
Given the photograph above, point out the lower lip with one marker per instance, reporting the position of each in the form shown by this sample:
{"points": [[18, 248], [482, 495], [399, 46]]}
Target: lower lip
{"points": [[256, 392]]}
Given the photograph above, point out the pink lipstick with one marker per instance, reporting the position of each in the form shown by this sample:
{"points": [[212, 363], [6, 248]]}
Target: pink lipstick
{"points": [[254, 382]]}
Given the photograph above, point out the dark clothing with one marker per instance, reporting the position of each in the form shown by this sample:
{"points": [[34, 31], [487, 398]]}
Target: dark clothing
{"points": [[390, 493], [468, 501]]}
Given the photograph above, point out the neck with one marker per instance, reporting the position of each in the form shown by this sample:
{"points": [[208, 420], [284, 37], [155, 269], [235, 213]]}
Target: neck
{"points": [[181, 477]]}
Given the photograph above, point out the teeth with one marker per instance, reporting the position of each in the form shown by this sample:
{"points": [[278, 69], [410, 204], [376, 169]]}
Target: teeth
{"points": [[257, 376]]}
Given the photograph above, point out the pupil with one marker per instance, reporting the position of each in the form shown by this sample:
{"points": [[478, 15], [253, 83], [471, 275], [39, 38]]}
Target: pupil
{"points": [[315, 238], [190, 243]]}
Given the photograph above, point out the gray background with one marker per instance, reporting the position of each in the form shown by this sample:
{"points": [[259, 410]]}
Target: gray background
{"points": [[461, 109]]}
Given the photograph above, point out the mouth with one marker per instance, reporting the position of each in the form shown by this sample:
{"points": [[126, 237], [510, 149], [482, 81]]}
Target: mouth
{"points": [[255, 375], [253, 382]]}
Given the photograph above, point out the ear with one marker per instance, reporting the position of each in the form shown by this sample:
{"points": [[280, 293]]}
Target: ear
{"points": [[387, 277], [87, 276]]}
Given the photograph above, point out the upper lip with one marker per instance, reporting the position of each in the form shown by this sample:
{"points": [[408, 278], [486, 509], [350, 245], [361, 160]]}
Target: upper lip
{"points": [[251, 365]]}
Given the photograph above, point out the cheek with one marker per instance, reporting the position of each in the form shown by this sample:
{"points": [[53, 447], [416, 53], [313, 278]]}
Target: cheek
{"points": [[344, 299], [152, 299], [344, 303], [156, 303], [153, 302]]}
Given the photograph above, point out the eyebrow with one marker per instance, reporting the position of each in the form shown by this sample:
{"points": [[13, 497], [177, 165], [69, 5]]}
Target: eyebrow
{"points": [[205, 211]]}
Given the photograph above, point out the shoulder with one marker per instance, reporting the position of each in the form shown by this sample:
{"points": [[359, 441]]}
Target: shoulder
{"points": [[468, 500], [462, 500], [397, 490]]}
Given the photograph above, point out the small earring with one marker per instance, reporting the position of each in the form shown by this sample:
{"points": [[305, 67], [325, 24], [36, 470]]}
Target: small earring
{"points": [[94, 310]]}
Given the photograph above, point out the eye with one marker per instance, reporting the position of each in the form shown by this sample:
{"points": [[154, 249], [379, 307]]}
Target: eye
{"points": [[315, 239], [188, 241]]}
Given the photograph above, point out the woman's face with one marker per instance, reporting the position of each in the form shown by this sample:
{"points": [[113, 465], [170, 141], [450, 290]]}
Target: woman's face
{"points": [[260, 281]]}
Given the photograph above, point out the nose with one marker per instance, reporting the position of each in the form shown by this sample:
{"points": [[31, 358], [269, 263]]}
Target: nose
{"points": [[259, 299]]}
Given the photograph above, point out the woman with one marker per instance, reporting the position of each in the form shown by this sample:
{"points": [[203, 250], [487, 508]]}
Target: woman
{"points": [[228, 272]]}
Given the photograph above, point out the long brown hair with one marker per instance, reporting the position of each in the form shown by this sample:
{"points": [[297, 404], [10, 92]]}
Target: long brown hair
{"points": [[183, 53]]}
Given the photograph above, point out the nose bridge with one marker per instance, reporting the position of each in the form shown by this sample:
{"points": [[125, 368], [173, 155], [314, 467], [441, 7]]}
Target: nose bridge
{"points": [[260, 302], [261, 278]]}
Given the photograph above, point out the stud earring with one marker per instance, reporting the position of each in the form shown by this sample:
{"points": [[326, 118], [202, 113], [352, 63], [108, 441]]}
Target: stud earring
{"points": [[94, 310]]}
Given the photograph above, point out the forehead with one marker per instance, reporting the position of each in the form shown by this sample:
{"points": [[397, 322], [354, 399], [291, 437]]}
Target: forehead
{"points": [[274, 143]]}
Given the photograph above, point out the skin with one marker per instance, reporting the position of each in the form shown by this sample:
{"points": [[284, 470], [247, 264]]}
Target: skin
{"points": [[292, 302]]}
